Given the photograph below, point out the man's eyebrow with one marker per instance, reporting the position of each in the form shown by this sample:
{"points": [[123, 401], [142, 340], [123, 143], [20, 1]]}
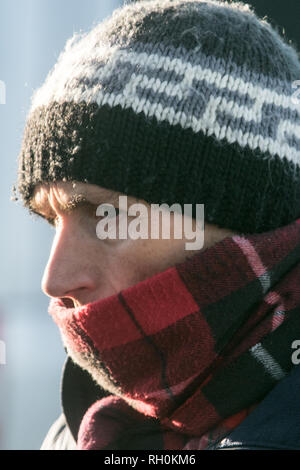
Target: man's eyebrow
{"points": [[74, 201], [45, 207]]}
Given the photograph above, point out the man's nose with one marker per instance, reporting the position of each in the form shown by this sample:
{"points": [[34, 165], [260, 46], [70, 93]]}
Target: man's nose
{"points": [[68, 272]]}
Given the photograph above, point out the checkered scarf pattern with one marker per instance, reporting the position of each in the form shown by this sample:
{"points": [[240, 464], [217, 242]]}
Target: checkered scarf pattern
{"points": [[190, 351]]}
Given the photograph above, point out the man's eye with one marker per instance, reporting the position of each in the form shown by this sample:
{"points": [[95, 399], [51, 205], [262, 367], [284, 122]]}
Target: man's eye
{"points": [[54, 221], [108, 213], [117, 211]]}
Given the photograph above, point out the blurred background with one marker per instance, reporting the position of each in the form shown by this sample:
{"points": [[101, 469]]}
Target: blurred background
{"points": [[32, 34]]}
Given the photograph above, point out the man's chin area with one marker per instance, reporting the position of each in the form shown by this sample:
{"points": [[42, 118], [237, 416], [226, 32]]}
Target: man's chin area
{"points": [[95, 367]]}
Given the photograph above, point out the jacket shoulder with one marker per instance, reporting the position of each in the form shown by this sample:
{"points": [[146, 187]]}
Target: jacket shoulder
{"points": [[59, 436], [274, 424]]}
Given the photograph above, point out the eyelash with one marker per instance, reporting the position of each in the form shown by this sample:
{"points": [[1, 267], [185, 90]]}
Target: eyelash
{"points": [[52, 221]]}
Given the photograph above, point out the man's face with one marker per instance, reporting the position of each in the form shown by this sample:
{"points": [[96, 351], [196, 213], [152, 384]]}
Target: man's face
{"points": [[84, 268]]}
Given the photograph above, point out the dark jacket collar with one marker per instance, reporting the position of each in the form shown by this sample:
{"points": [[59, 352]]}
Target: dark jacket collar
{"points": [[274, 423], [78, 393]]}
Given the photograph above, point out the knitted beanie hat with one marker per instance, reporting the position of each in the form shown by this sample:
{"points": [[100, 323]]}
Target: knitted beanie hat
{"points": [[174, 101]]}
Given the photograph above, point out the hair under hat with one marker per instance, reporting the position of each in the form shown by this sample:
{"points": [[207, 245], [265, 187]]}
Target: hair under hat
{"points": [[176, 102]]}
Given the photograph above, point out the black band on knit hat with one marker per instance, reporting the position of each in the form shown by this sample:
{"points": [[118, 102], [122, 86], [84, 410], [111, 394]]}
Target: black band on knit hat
{"points": [[178, 102]]}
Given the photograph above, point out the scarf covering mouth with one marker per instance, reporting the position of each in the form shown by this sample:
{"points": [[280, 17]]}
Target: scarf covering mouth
{"points": [[187, 353]]}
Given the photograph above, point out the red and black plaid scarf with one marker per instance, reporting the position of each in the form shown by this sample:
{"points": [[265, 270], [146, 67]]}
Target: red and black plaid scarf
{"points": [[189, 352]]}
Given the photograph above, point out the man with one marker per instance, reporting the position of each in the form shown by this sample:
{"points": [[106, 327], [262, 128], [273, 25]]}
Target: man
{"points": [[175, 102]]}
